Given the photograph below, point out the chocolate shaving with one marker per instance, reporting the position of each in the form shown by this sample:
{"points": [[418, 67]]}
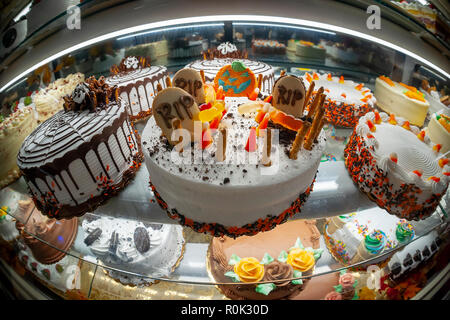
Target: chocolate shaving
{"points": [[91, 95]]}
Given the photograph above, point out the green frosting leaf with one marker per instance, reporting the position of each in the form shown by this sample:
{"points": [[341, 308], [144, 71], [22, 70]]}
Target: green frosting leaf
{"points": [[27, 101], [283, 256], [297, 274], [234, 259], [238, 66], [266, 259], [342, 272], [355, 283], [233, 276], [338, 288], [355, 297], [265, 288], [317, 253]]}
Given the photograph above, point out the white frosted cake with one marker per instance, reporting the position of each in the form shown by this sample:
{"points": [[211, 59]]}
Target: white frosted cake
{"points": [[152, 250], [83, 155], [346, 100], [13, 131], [439, 128], [137, 82], [402, 100], [309, 50], [8, 231], [397, 165], [240, 189], [49, 101]]}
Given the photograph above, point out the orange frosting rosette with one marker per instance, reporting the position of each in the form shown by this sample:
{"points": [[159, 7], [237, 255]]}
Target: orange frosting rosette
{"points": [[301, 259], [249, 270]]}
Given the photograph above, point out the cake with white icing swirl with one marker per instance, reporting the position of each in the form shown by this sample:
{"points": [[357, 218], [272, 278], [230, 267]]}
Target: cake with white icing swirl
{"points": [[152, 250], [82, 156], [397, 165], [137, 81]]}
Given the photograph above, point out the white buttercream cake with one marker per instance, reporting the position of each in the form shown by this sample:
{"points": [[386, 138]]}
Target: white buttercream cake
{"points": [[137, 82], [439, 128], [346, 100], [152, 250], [402, 100], [397, 165]]}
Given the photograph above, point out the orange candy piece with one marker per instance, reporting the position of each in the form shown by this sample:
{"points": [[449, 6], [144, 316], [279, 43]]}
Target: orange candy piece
{"points": [[387, 80], [329, 78], [315, 76], [377, 117], [286, 121], [435, 179], [341, 79], [392, 119], [418, 172], [437, 147], [421, 135], [415, 95], [308, 77], [359, 87], [406, 125], [371, 126], [263, 124], [443, 161]]}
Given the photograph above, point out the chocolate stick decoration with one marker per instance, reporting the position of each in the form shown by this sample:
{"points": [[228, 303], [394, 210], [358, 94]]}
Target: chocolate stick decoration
{"points": [[315, 103], [259, 81], [202, 74], [168, 82], [222, 145], [298, 142], [315, 125], [308, 94], [267, 148]]}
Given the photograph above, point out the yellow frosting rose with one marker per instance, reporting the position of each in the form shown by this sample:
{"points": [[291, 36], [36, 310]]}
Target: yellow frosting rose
{"points": [[300, 259], [249, 270]]}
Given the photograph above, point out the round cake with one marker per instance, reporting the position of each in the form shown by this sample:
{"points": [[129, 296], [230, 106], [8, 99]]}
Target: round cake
{"points": [[13, 131], [137, 82], [309, 50], [148, 249], [82, 156], [397, 165], [211, 67], [268, 47], [232, 181], [346, 100], [357, 237], [439, 128], [402, 100], [58, 236], [275, 258]]}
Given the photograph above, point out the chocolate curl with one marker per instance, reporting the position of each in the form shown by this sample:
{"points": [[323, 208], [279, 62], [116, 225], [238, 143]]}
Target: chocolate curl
{"points": [[168, 82], [315, 103], [267, 148], [202, 74], [222, 145], [308, 94], [259, 81], [159, 87], [176, 124], [298, 142], [315, 128]]}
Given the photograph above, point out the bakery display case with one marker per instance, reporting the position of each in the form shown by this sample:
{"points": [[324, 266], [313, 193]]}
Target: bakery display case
{"points": [[346, 197]]}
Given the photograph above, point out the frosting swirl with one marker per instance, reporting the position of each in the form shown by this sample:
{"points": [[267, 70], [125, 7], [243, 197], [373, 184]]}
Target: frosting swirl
{"points": [[347, 280], [249, 270], [375, 241], [404, 231], [301, 259], [277, 270]]}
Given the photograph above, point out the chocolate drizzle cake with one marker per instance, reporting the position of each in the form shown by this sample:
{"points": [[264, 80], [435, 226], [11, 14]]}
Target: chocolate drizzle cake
{"points": [[137, 82], [76, 160]]}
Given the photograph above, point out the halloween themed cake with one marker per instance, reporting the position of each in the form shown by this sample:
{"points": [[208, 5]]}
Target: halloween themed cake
{"points": [[152, 250], [83, 155], [213, 167], [137, 82], [397, 165], [225, 54], [13, 131], [277, 258], [401, 100], [346, 100]]}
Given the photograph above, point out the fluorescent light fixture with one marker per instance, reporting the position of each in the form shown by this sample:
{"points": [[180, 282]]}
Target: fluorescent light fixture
{"points": [[218, 18], [281, 26], [423, 2], [23, 12], [171, 29]]}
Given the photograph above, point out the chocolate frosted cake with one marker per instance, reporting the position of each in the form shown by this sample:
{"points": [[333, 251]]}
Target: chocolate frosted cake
{"points": [[274, 258], [83, 155], [137, 82], [225, 54], [57, 235]]}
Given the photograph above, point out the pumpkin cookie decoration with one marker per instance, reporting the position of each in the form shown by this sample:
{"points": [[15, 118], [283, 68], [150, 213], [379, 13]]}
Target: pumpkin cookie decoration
{"points": [[236, 80]]}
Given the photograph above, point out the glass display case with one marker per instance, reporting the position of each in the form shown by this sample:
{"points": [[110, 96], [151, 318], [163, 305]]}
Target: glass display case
{"points": [[176, 261]]}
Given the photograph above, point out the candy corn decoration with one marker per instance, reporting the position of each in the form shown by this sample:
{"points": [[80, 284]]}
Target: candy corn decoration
{"points": [[393, 157], [251, 141], [371, 126]]}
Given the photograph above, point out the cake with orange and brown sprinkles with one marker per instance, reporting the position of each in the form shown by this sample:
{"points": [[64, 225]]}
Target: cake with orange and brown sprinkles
{"points": [[397, 165]]}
